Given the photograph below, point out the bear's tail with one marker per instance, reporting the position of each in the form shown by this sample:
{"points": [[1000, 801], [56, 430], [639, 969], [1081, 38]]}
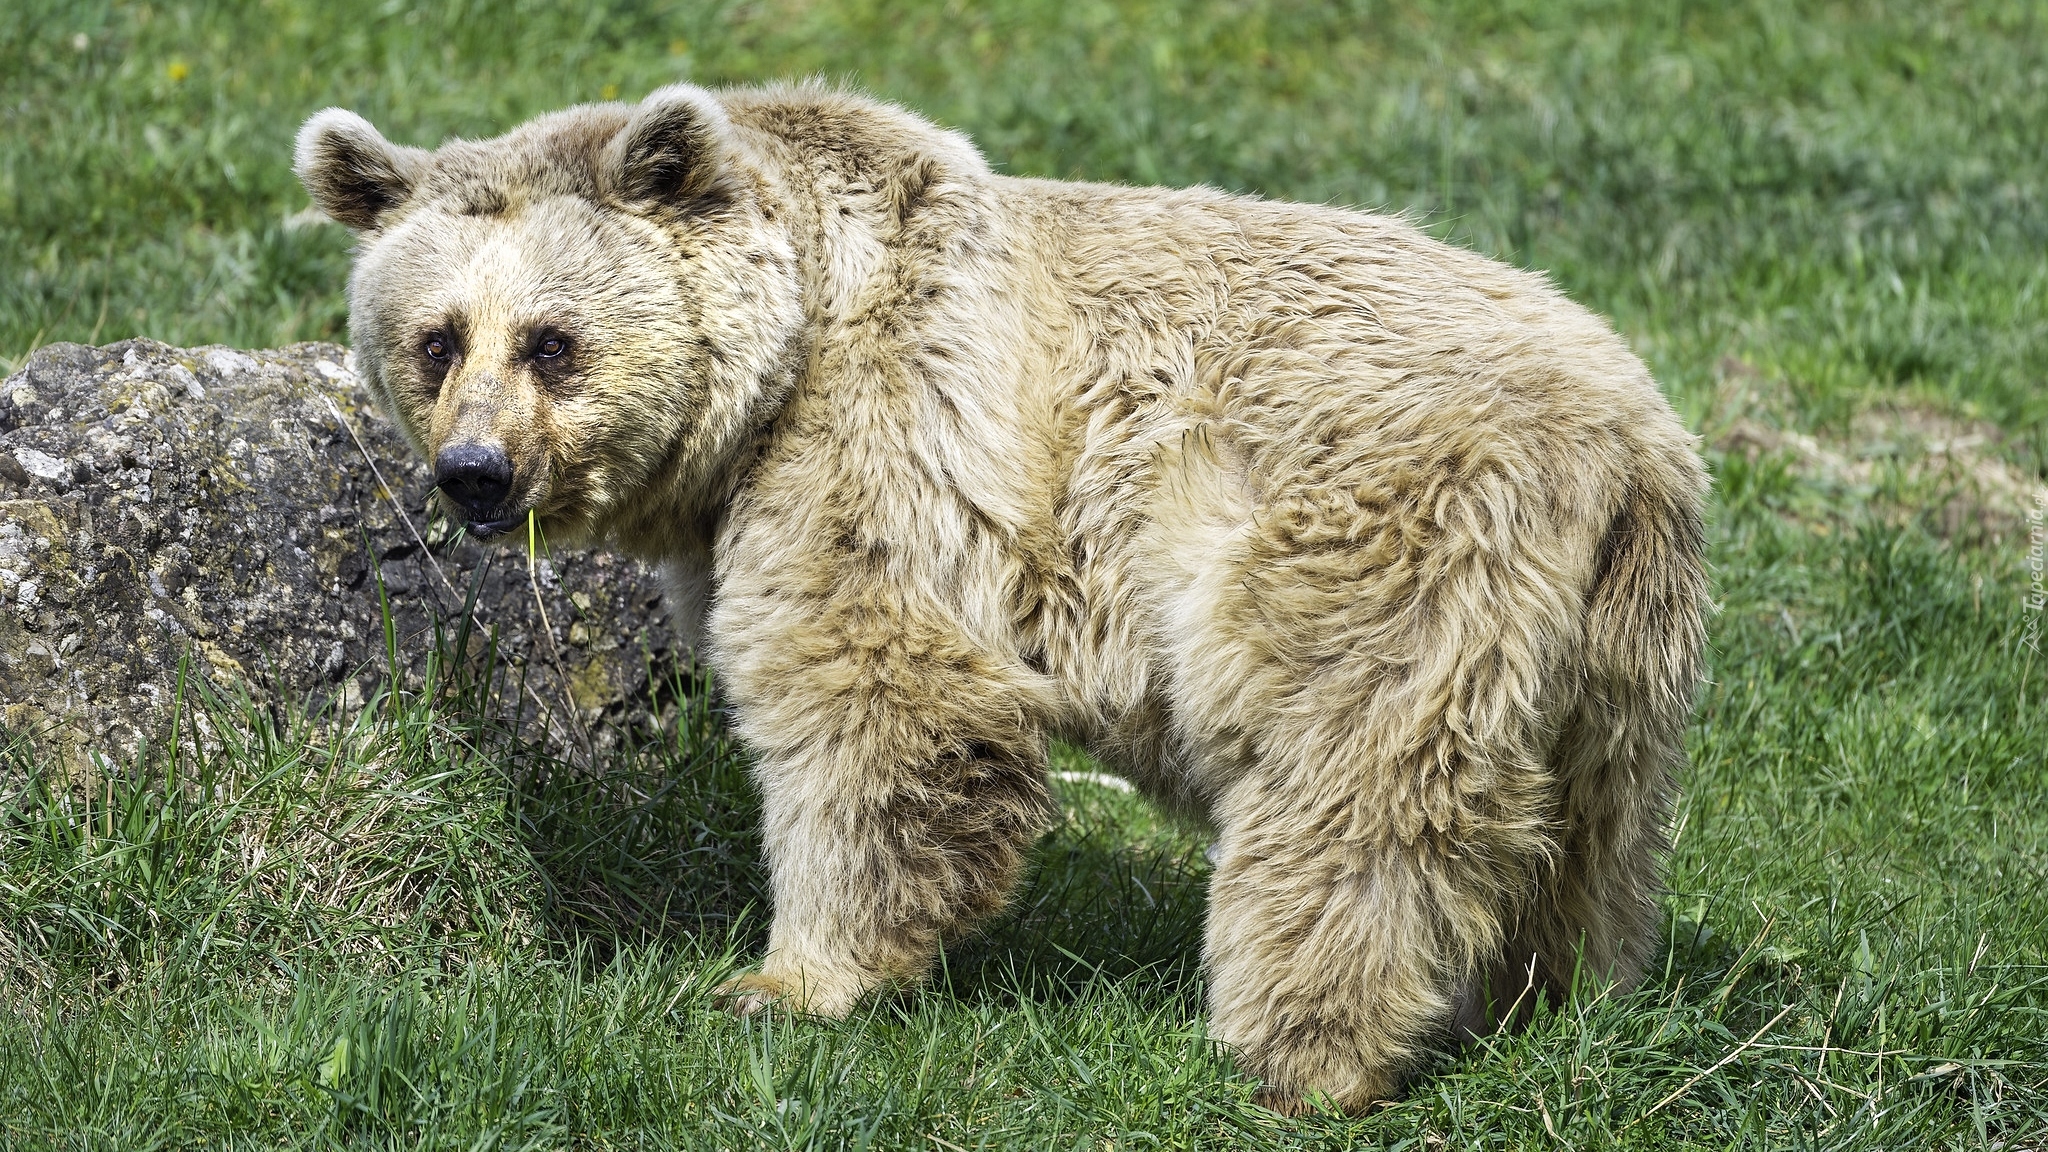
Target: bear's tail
{"points": [[1646, 618]]}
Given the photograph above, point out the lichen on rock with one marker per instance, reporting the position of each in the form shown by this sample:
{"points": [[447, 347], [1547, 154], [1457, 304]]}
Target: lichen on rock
{"points": [[235, 514]]}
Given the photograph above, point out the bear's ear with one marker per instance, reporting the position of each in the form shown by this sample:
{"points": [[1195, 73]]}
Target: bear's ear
{"points": [[676, 149], [352, 173]]}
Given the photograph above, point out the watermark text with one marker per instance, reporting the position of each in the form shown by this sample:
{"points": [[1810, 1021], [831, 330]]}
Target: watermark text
{"points": [[2037, 569]]}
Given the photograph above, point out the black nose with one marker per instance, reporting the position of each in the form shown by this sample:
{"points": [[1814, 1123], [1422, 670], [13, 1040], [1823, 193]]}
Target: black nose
{"points": [[476, 476]]}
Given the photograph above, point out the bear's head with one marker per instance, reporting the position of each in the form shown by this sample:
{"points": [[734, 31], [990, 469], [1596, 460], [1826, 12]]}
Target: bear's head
{"points": [[583, 319]]}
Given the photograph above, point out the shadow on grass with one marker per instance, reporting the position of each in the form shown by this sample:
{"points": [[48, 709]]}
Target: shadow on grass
{"points": [[1103, 901], [663, 841]]}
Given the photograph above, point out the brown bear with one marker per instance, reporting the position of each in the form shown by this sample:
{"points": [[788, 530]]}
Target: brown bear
{"points": [[1381, 557]]}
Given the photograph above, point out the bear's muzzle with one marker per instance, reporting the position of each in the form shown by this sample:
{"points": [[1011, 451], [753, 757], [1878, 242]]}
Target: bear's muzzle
{"points": [[477, 478]]}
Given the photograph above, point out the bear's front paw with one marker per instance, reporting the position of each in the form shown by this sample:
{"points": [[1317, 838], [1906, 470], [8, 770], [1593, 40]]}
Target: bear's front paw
{"points": [[750, 992], [807, 992]]}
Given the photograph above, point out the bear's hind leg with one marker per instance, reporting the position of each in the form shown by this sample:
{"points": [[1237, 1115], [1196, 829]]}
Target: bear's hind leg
{"points": [[1593, 915], [1337, 940]]}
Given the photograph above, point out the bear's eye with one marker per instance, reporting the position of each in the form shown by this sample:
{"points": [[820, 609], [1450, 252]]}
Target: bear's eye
{"points": [[551, 346], [437, 348]]}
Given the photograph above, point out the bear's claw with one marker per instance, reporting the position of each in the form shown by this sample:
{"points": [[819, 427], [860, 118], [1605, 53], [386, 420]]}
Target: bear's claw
{"points": [[748, 993]]}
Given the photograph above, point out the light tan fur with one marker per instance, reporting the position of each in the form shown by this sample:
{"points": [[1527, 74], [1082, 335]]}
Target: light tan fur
{"points": [[1380, 556]]}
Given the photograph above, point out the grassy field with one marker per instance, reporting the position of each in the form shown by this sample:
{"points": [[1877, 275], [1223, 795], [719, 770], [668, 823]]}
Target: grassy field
{"points": [[1823, 225]]}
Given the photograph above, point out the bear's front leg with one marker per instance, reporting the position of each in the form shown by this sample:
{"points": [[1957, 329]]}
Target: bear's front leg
{"points": [[873, 865], [902, 785]]}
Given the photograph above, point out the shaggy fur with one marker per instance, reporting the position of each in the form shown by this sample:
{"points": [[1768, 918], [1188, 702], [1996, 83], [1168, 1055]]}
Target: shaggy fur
{"points": [[1380, 556]]}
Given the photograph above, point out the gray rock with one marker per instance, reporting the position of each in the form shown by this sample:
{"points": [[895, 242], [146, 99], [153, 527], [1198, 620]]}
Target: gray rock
{"points": [[228, 511]]}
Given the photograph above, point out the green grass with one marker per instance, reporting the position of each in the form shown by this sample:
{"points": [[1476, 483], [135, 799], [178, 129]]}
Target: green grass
{"points": [[1822, 224]]}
